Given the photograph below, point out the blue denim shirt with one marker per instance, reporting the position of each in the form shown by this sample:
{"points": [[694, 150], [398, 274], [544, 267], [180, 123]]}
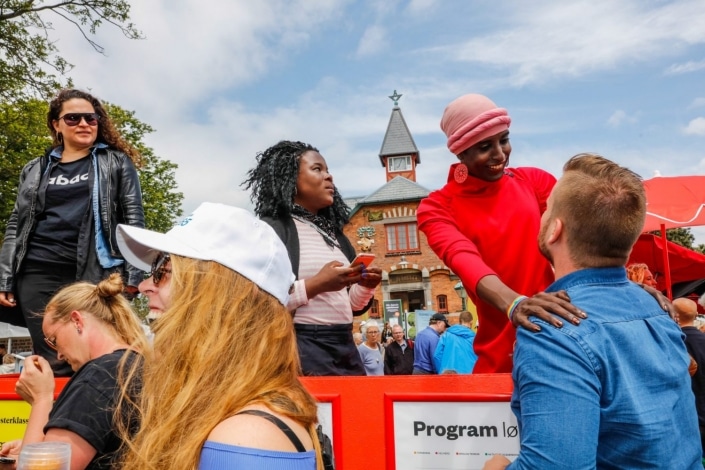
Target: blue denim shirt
{"points": [[612, 393]]}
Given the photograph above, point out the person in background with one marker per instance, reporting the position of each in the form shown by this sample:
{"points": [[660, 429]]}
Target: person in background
{"points": [[687, 311], [357, 337], [3, 350], [641, 274], [455, 348], [386, 336], [372, 351], [399, 354], [94, 328], [485, 205], [69, 203], [8, 364], [618, 382], [293, 191], [220, 283], [426, 342]]}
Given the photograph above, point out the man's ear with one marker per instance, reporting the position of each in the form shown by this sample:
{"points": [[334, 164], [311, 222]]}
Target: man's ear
{"points": [[555, 231]]}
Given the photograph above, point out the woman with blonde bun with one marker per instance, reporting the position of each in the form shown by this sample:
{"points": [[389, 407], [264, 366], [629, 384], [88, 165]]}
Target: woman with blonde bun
{"points": [[94, 329]]}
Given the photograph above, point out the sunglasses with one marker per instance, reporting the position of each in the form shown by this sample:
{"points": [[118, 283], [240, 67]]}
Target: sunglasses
{"points": [[159, 269], [74, 119]]}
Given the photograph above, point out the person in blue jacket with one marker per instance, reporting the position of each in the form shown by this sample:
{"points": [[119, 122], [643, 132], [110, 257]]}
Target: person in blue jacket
{"points": [[426, 342], [455, 348]]}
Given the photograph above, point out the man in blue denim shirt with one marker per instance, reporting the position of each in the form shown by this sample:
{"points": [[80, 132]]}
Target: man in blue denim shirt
{"points": [[613, 393]]}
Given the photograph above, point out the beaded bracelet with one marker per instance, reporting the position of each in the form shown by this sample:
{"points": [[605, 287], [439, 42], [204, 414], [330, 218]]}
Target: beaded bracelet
{"points": [[513, 306]]}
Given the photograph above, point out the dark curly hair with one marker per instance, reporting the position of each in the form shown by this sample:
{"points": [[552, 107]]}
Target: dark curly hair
{"points": [[106, 130], [273, 183]]}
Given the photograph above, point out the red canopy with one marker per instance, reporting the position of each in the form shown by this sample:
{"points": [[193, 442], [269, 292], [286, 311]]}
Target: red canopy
{"points": [[674, 201], [685, 264]]}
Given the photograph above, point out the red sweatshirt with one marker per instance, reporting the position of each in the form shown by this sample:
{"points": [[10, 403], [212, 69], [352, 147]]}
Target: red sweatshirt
{"points": [[481, 228]]}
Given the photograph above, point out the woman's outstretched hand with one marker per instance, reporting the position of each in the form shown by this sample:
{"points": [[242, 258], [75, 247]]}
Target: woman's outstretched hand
{"points": [[546, 306]]}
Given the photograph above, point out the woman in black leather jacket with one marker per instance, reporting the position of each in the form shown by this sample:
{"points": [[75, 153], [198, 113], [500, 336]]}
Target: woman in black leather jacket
{"points": [[69, 203]]}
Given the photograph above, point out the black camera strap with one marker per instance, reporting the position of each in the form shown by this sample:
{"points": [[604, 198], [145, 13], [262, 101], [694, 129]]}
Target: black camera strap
{"points": [[280, 424]]}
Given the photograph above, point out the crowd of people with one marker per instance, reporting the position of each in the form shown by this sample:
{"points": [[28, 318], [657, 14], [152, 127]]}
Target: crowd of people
{"points": [[257, 301]]}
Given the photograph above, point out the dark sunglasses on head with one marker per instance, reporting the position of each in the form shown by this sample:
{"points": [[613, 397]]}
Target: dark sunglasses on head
{"points": [[74, 119], [159, 269]]}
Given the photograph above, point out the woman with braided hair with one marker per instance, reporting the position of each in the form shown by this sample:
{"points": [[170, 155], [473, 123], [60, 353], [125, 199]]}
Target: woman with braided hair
{"points": [[293, 192]]}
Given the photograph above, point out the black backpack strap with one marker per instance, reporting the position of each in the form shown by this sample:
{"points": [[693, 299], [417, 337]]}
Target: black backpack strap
{"points": [[280, 424]]}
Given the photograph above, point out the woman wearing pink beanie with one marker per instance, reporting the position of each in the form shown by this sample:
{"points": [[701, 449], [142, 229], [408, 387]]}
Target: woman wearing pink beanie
{"points": [[484, 225]]}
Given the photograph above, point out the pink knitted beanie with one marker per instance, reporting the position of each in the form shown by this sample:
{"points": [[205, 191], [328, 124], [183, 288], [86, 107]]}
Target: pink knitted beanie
{"points": [[470, 119]]}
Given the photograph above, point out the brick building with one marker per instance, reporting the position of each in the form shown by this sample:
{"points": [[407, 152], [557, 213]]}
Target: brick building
{"points": [[384, 223]]}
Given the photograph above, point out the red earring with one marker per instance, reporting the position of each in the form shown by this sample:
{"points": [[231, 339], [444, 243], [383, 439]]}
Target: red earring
{"points": [[461, 173]]}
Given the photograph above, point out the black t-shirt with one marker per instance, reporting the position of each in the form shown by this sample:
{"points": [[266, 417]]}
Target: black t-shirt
{"points": [[67, 198], [86, 407]]}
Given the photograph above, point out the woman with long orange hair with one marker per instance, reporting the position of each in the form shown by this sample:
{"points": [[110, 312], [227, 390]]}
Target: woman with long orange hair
{"points": [[220, 282]]}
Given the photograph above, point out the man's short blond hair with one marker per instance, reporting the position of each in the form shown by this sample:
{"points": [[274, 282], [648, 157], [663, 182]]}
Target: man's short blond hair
{"points": [[603, 206]]}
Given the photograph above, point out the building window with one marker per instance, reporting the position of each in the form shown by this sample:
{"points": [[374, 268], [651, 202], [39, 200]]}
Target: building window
{"points": [[402, 237], [374, 309], [442, 303], [399, 163]]}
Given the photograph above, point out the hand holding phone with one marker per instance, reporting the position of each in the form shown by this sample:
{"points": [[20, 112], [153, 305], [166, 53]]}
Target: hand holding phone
{"points": [[364, 259]]}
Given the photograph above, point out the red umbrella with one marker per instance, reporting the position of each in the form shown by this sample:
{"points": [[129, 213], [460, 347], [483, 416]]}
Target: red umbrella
{"points": [[674, 201], [671, 202]]}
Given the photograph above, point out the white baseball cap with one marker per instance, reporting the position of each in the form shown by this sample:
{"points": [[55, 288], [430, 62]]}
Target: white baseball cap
{"points": [[228, 235]]}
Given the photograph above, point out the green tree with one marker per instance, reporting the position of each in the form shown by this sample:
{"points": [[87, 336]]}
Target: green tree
{"points": [[30, 64], [24, 135]]}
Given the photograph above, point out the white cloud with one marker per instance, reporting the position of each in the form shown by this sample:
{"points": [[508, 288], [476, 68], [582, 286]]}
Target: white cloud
{"points": [[620, 117], [616, 119], [416, 7], [697, 102], [687, 67], [373, 41], [543, 40], [695, 127]]}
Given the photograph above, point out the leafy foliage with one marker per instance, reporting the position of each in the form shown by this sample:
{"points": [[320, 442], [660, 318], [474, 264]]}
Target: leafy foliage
{"points": [[29, 63], [23, 136]]}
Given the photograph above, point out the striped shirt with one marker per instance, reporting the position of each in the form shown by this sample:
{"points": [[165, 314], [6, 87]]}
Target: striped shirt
{"points": [[327, 308]]}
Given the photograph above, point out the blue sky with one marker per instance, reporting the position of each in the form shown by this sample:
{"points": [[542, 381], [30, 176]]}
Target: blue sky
{"points": [[623, 78]]}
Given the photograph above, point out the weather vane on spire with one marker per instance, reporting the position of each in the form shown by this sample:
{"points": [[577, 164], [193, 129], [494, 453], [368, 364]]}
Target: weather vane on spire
{"points": [[395, 97]]}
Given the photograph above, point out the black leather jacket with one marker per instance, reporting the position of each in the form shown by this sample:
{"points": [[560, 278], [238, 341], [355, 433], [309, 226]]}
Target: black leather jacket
{"points": [[120, 203]]}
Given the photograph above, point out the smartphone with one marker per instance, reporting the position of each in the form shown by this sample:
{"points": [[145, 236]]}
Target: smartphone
{"points": [[6, 460], [365, 259]]}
